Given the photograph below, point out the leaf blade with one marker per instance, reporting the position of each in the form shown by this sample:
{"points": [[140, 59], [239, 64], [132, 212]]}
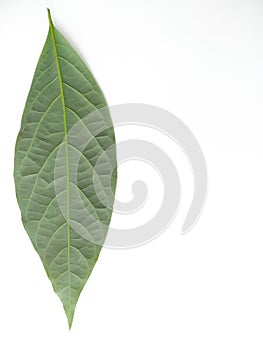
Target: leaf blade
{"points": [[54, 191]]}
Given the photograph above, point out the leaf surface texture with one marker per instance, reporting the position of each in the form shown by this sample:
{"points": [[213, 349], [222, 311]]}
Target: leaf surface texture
{"points": [[65, 168]]}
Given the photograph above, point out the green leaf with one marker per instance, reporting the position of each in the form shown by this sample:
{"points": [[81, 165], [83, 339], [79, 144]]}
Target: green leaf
{"points": [[65, 168]]}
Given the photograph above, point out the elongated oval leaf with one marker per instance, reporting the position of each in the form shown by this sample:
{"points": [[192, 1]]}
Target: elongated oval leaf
{"points": [[65, 168]]}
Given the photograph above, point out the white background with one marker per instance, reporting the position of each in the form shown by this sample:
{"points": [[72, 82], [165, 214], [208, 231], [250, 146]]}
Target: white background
{"points": [[203, 61]]}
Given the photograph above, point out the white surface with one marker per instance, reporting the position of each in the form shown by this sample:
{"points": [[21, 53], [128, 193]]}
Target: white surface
{"points": [[203, 61]]}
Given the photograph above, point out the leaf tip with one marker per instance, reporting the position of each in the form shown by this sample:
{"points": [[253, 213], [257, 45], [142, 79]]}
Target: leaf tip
{"points": [[70, 324], [70, 317]]}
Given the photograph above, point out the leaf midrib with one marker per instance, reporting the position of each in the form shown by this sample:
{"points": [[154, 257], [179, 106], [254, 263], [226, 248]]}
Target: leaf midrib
{"points": [[66, 145]]}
